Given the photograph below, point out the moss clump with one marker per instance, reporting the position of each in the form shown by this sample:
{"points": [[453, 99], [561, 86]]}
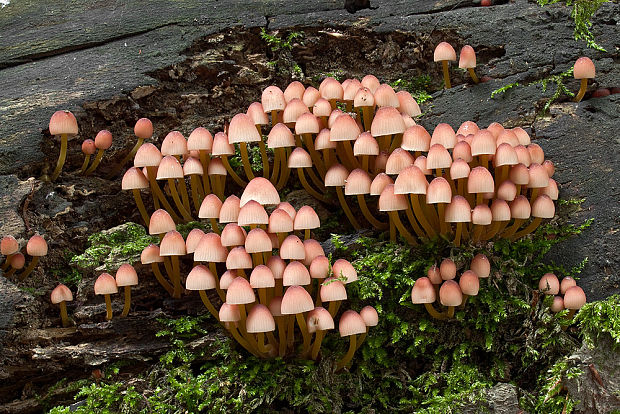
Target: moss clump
{"points": [[418, 87], [110, 248], [600, 318]]}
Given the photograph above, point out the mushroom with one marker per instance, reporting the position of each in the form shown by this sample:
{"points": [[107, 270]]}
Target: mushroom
{"points": [[392, 204], [241, 131], [126, 277], [201, 279], [319, 321], [574, 299], [134, 180], [459, 212], [60, 295], [351, 324], [210, 209], [8, 247], [36, 247], [106, 285], [103, 141], [583, 69], [451, 296], [262, 279], [273, 101], [173, 245], [192, 167], [62, 123], [241, 293], [88, 148], [306, 219], [143, 130], [469, 284], [223, 149], [17, 262], [387, 128], [358, 184], [170, 169], [444, 53], [295, 302], [307, 127], [549, 284], [150, 255], [467, 60], [423, 292], [280, 139], [259, 322], [229, 315], [371, 318], [542, 208], [300, 160], [336, 177]]}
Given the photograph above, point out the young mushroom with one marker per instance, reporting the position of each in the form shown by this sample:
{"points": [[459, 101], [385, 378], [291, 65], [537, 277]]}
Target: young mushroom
{"points": [[61, 295], [467, 60], [444, 53], [8, 247], [36, 247], [583, 70], [106, 285], [126, 277], [62, 123], [351, 324], [103, 141], [319, 321], [88, 148]]}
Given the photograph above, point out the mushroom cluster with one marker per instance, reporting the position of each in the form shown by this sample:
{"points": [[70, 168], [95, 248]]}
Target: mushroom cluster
{"points": [[264, 278], [566, 294], [441, 285], [15, 259]]}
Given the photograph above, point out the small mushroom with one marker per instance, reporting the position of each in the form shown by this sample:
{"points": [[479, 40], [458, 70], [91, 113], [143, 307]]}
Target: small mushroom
{"points": [[8, 247], [61, 295], [62, 123], [467, 60], [444, 53], [88, 148], [103, 141], [126, 277], [106, 285], [351, 324], [36, 247], [583, 69]]}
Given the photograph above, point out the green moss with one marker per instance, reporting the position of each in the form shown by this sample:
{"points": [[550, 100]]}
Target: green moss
{"points": [[600, 318], [109, 248], [418, 87]]}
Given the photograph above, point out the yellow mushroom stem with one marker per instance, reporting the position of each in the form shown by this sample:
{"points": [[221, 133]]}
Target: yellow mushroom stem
{"points": [[333, 308], [127, 303], [176, 277], [85, 163], [582, 90], [507, 234], [414, 223], [184, 194], [317, 302], [530, 228], [235, 333], [244, 333], [478, 230], [29, 269], [240, 181], [301, 321], [196, 187], [306, 234], [368, 215], [314, 154], [219, 290], [215, 184], [347, 210], [504, 170], [108, 307], [140, 204], [260, 341], [96, 162], [484, 161], [327, 157], [492, 230], [285, 171], [257, 259], [158, 194], [64, 138], [479, 198], [160, 278], [349, 355], [460, 185], [7, 262], [441, 213], [208, 304], [129, 155], [263, 153], [275, 173], [397, 140], [534, 194], [392, 229], [245, 159], [316, 346], [63, 314], [420, 216], [348, 150], [274, 118], [458, 233], [446, 74], [368, 114], [433, 312], [361, 339], [472, 73], [281, 322], [290, 331], [343, 156], [314, 193], [465, 297], [450, 312], [177, 200]]}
